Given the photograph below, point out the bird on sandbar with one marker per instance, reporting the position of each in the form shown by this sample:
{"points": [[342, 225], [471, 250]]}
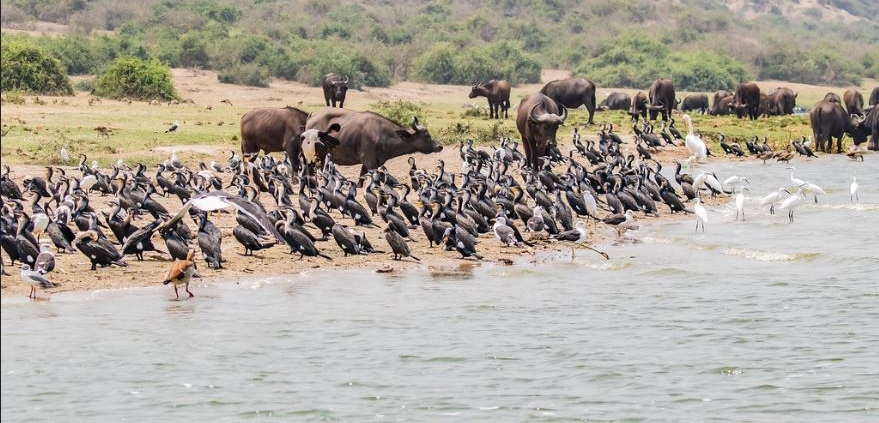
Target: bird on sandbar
{"points": [[35, 279], [181, 272]]}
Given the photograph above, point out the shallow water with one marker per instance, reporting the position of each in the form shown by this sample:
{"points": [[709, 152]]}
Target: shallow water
{"points": [[760, 320]]}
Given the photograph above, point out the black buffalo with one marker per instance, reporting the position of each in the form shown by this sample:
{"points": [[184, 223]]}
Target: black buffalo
{"points": [[695, 102], [718, 106], [746, 101], [639, 106], [874, 97], [498, 94], [870, 125], [616, 101], [335, 89], [829, 120], [781, 101], [538, 119], [369, 139], [572, 93], [854, 101], [273, 130], [662, 98]]}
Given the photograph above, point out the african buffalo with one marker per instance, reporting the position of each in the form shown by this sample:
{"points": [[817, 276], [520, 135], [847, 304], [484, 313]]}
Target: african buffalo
{"points": [[272, 130], [695, 102], [829, 120], [870, 125], [538, 118], [369, 139], [616, 101], [717, 107], [639, 106], [854, 101], [498, 94], [874, 97], [746, 100], [572, 93], [834, 97], [662, 98], [335, 89], [782, 101]]}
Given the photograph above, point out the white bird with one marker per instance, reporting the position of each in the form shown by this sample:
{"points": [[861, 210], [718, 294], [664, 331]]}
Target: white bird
{"points": [[694, 143], [772, 198], [173, 127], [796, 181], [701, 214], [87, 183], [791, 203], [814, 190], [740, 203], [35, 279], [216, 200], [64, 155], [503, 232], [735, 181], [854, 190]]}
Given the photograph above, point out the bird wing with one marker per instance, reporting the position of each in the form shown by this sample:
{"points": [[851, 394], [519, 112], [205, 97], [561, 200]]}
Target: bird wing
{"points": [[216, 200], [40, 279], [177, 270]]}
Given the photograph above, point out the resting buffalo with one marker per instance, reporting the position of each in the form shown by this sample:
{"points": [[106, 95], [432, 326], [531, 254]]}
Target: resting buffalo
{"points": [[874, 97], [335, 89], [782, 101], [746, 100], [662, 98], [271, 130], [829, 120], [854, 101], [717, 108], [695, 102], [639, 107], [616, 101], [538, 119], [572, 93], [369, 139], [498, 94]]}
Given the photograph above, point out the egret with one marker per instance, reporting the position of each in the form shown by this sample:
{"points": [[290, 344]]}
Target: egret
{"points": [[701, 214], [736, 180], [694, 143], [854, 190], [791, 203], [796, 181], [814, 190], [64, 155], [772, 198], [740, 203]]}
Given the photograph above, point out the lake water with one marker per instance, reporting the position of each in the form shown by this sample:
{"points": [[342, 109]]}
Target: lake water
{"points": [[754, 321]]}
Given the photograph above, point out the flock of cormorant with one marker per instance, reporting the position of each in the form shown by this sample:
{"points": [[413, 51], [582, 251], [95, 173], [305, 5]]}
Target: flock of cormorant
{"points": [[492, 196]]}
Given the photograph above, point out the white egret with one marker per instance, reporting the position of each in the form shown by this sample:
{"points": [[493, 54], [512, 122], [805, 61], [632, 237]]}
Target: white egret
{"points": [[701, 214], [740, 203], [791, 203], [854, 190], [813, 189], [772, 198]]}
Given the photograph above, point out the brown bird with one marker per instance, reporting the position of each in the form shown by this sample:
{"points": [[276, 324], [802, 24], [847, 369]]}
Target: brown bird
{"points": [[180, 273]]}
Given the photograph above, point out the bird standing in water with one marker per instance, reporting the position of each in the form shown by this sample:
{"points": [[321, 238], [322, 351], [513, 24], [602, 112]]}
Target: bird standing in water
{"points": [[181, 272]]}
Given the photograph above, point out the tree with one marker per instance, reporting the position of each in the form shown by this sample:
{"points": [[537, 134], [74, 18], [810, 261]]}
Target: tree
{"points": [[136, 78], [28, 68]]}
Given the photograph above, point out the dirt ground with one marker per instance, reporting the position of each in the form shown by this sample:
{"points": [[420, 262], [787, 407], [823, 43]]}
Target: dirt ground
{"points": [[72, 270]]}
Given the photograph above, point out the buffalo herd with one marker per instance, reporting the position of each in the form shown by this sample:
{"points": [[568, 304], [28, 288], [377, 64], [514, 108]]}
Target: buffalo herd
{"points": [[350, 138]]}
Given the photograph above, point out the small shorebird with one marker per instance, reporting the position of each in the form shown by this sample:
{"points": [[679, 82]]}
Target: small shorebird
{"points": [[35, 279], [180, 273]]}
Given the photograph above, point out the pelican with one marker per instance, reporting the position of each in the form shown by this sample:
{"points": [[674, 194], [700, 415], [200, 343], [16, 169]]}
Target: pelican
{"points": [[216, 200], [694, 143]]}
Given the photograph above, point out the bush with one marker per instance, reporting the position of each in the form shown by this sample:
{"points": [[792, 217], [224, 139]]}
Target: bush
{"points": [[399, 111], [138, 79], [28, 68]]}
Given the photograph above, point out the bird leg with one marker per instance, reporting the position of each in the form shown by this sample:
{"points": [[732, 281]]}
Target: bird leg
{"points": [[188, 292], [175, 291]]}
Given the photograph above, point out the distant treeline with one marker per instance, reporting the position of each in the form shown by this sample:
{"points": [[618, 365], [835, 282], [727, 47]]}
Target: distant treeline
{"points": [[700, 44]]}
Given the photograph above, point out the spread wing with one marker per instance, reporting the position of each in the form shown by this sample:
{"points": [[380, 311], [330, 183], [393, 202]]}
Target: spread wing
{"points": [[216, 200]]}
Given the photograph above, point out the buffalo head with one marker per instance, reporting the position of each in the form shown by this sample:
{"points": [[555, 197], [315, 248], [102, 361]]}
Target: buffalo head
{"points": [[419, 138]]}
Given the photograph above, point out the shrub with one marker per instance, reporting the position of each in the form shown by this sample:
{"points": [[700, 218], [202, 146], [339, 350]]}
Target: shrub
{"points": [[135, 78], [399, 111], [28, 68]]}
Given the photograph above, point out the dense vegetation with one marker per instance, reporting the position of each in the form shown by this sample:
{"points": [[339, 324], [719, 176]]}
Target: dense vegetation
{"points": [[701, 44], [136, 79], [28, 68]]}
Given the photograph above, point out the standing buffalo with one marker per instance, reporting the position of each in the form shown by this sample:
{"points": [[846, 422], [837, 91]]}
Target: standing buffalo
{"points": [[782, 101], [829, 120], [871, 126], [874, 97], [369, 139], [616, 101], [746, 100], [662, 98], [335, 89], [854, 101], [272, 130], [721, 104], [639, 107], [498, 94], [571, 93], [538, 119], [695, 102]]}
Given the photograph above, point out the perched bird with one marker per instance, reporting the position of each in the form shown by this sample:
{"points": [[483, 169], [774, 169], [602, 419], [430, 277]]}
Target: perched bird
{"points": [[397, 243], [701, 214], [45, 262], [853, 189], [35, 279], [181, 272], [173, 127]]}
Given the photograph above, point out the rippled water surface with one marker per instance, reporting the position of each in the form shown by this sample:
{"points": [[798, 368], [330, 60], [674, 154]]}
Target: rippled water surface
{"points": [[759, 320]]}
